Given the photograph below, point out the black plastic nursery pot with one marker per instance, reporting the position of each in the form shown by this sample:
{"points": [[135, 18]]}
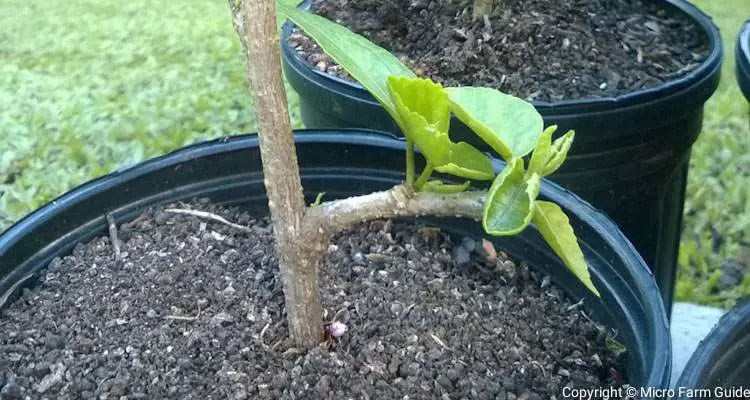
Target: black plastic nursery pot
{"points": [[743, 59], [720, 364], [345, 163], [631, 153]]}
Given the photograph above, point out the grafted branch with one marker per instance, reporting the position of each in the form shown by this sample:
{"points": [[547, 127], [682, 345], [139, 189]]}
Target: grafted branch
{"points": [[332, 217], [302, 235]]}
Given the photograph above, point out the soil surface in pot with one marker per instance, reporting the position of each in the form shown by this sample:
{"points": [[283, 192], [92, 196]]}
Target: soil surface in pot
{"points": [[194, 310], [535, 49]]}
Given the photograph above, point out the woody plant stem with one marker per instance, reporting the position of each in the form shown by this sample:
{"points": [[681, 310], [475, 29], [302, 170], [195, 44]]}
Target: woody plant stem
{"points": [[303, 234]]}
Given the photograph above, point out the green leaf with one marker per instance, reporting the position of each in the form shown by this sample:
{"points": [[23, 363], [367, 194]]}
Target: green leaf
{"points": [[281, 18], [555, 227], [558, 153], [614, 346], [510, 202], [290, 3], [467, 162], [422, 109], [444, 188], [508, 124], [318, 199], [365, 61], [424, 97], [541, 153]]}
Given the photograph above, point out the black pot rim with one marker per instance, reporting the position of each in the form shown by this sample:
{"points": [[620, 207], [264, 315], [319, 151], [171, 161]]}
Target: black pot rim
{"points": [[604, 227], [712, 347], [698, 82], [743, 59]]}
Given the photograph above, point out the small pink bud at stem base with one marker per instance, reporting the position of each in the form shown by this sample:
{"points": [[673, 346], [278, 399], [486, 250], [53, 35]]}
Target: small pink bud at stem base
{"points": [[490, 249], [337, 329]]}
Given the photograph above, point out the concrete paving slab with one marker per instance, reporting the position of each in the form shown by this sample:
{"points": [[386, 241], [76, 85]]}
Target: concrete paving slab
{"points": [[690, 324]]}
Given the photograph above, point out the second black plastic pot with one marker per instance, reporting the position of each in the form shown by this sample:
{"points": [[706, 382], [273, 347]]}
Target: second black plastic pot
{"points": [[742, 57], [631, 153], [721, 363], [345, 163]]}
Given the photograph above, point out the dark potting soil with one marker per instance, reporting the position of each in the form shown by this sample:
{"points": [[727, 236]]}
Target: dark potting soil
{"points": [[194, 310], [535, 49]]}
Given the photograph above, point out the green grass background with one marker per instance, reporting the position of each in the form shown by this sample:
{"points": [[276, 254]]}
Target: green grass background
{"points": [[717, 211], [90, 86]]}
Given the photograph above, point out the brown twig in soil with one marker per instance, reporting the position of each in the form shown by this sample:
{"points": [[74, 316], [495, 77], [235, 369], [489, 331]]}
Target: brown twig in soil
{"points": [[262, 333], [544, 373], [113, 235], [209, 216], [182, 318], [110, 376], [575, 306], [440, 342], [599, 327], [339, 312], [407, 311], [106, 378]]}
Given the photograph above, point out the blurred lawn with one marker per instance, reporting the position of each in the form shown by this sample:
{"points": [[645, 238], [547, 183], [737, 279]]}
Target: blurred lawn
{"points": [[717, 214], [89, 86]]}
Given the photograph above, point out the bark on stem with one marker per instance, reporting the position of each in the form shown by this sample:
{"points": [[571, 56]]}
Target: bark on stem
{"points": [[302, 236], [401, 201], [255, 22]]}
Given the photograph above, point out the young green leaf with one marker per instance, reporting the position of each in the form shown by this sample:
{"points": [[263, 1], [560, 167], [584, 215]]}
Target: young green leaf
{"points": [[541, 153], [555, 227], [510, 202], [424, 97], [318, 199], [422, 108], [444, 188], [365, 61], [614, 346], [558, 153], [508, 124], [467, 162]]}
